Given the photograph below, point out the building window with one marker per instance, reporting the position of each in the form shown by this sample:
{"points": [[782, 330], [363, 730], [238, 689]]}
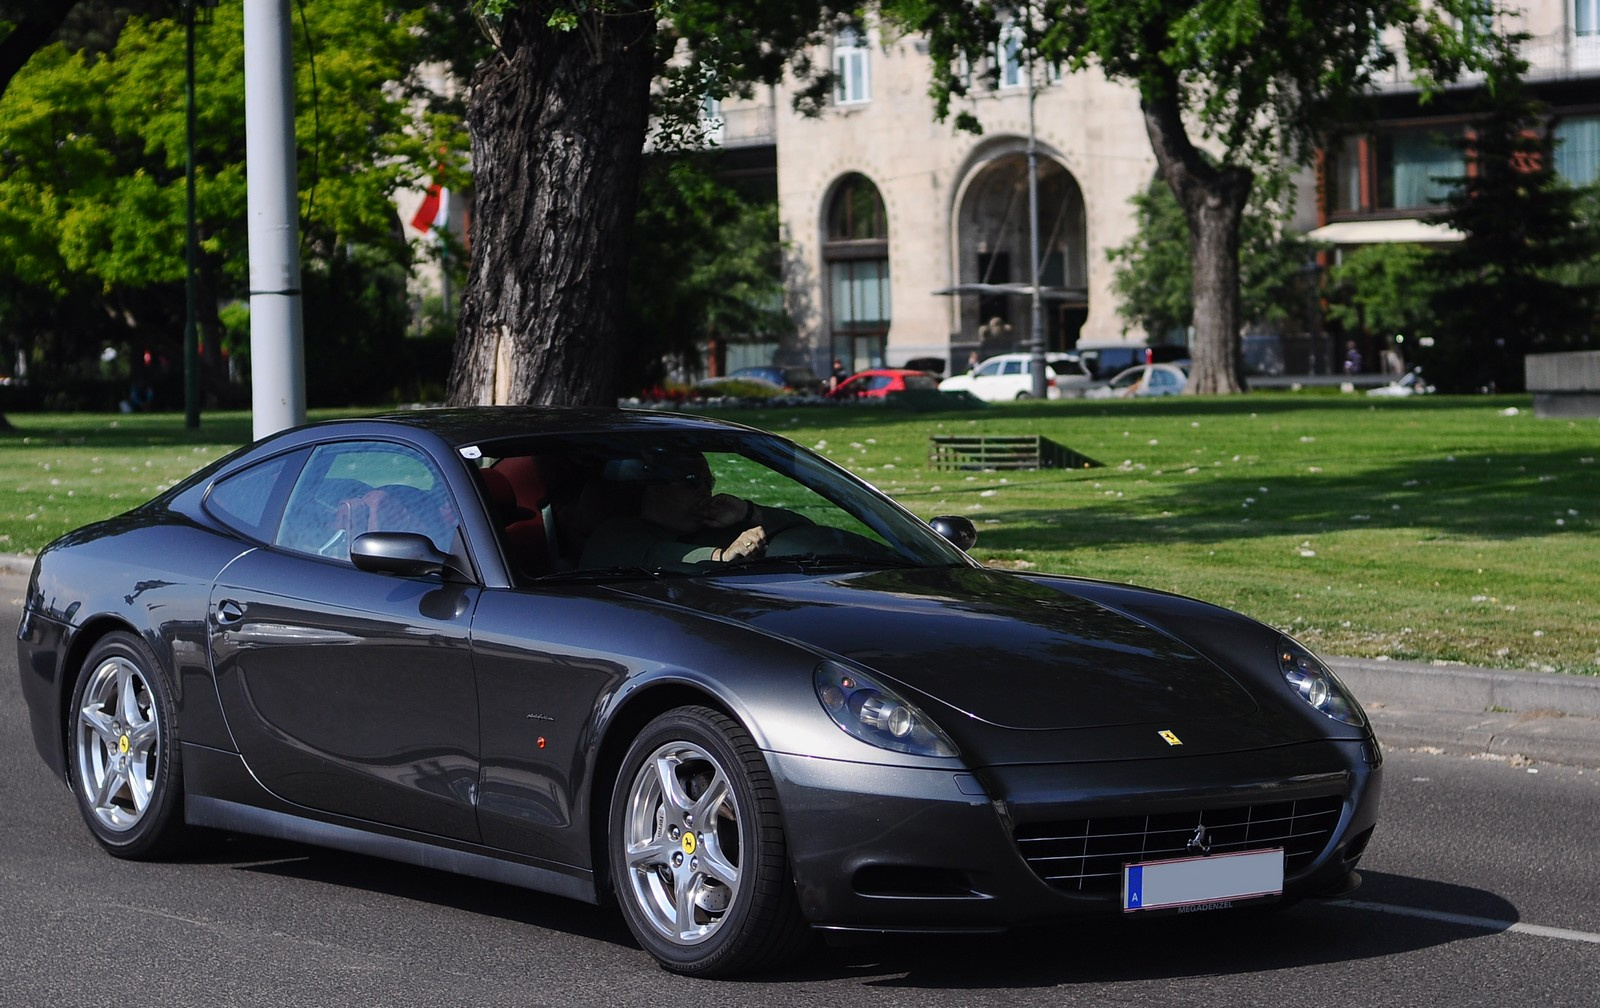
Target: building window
{"points": [[1417, 169], [712, 125], [1009, 59], [852, 83], [1578, 149], [856, 253], [1342, 176], [1586, 17]]}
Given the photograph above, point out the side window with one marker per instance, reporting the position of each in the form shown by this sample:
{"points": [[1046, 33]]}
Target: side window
{"points": [[248, 502], [1013, 367], [350, 488], [991, 368]]}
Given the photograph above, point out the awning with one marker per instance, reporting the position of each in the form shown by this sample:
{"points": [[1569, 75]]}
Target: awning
{"points": [[1079, 295], [1380, 232]]}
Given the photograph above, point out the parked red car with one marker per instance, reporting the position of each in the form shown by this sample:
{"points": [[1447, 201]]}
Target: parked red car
{"points": [[875, 383]]}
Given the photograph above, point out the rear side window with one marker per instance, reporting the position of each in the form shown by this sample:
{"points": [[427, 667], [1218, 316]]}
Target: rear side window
{"points": [[249, 501]]}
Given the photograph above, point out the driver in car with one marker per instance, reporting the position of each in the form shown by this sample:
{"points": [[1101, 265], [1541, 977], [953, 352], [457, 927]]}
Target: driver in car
{"points": [[681, 523]]}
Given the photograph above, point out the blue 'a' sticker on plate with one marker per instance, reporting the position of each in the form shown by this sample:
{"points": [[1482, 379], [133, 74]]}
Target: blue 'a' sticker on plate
{"points": [[1135, 886]]}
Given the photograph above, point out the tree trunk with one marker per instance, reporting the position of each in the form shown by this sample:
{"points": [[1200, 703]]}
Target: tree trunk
{"points": [[1213, 200], [558, 124]]}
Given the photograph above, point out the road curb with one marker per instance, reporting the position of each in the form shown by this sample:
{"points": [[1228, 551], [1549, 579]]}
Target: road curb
{"points": [[1498, 713]]}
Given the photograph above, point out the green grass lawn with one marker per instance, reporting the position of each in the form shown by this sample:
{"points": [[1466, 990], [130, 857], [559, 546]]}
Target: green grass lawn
{"points": [[1437, 529]]}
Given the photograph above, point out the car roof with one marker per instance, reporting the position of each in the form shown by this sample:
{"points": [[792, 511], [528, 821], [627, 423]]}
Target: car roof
{"points": [[467, 425]]}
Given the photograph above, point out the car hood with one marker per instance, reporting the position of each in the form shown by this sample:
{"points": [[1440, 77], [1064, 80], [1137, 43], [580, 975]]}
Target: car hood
{"points": [[999, 648]]}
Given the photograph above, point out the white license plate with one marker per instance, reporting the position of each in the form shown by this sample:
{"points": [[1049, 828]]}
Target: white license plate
{"points": [[1194, 882]]}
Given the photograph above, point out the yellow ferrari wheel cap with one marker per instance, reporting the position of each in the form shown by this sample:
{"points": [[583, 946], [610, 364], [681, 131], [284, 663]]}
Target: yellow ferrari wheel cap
{"points": [[123, 745], [688, 843]]}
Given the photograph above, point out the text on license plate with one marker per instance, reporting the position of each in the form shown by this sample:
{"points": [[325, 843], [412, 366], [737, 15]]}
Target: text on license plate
{"points": [[1157, 885]]}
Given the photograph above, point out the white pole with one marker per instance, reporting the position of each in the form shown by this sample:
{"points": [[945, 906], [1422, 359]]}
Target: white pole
{"points": [[277, 336]]}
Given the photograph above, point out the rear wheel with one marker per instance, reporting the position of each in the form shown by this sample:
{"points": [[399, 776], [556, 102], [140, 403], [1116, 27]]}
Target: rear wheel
{"points": [[697, 848], [123, 750]]}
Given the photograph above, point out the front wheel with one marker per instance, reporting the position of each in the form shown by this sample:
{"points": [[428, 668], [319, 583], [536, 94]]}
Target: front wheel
{"points": [[123, 750], [697, 848]]}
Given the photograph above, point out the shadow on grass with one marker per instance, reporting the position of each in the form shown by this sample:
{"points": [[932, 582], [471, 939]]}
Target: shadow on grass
{"points": [[1513, 496]]}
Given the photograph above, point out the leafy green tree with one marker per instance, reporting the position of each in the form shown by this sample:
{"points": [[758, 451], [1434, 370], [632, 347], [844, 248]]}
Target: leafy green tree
{"points": [[25, 28], [1227, 88], [559, 115], [1152, 279], [1500, 294], [1154, 282], [92, 181], [1387, 290], [704, 266]]}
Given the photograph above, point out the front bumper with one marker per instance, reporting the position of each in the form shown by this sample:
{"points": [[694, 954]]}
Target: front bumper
{"points": [[898, 849]]}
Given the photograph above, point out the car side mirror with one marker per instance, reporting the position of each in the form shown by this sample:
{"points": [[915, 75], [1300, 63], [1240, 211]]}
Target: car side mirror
{"points": [[407, 554], [958, 530]]}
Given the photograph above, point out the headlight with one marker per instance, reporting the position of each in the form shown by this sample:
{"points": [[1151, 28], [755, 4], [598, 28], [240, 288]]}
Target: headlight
{"points": [[876, 715], [1316, 683]]}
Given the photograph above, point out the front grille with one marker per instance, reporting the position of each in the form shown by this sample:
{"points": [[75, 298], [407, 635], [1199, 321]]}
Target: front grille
{"points": [[1087, 855]]}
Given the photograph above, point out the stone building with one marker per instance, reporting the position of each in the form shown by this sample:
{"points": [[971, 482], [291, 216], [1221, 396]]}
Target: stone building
{"points": [[903, 234]]}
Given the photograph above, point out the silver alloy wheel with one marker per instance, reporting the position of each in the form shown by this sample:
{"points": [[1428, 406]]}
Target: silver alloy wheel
{"points": [[682, 843], [117, 740]]}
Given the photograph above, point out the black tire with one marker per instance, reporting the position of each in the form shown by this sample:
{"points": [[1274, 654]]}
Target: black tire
{"points": [[697, 849], [123, 752]]}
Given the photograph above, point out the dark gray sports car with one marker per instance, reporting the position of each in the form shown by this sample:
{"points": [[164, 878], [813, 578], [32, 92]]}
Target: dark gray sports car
{"points": [[681, 664]]}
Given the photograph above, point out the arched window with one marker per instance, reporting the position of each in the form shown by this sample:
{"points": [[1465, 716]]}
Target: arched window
{"points": [[856, 252]]}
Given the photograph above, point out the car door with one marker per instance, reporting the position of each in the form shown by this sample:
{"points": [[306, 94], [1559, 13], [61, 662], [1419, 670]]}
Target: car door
{"points": [[985, 378], [1017, 380], [346, 691]]}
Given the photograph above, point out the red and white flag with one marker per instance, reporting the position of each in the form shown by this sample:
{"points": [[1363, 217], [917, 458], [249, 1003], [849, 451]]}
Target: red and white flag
{"points": [[434, 211]]}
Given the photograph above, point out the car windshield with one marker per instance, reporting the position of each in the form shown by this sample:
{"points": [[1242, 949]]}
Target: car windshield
{"points": [[648, 503]]}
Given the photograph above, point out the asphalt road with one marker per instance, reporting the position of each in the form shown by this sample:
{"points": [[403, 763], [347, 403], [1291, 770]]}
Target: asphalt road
{"points": [[1480, 890]]}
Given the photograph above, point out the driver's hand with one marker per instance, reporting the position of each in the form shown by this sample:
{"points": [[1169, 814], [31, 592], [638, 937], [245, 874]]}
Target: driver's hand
{"points": [[752, 542]]}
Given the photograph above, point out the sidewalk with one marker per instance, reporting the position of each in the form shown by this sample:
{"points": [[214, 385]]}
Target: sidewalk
{"points": [[1451, 708], [1474, 711]]}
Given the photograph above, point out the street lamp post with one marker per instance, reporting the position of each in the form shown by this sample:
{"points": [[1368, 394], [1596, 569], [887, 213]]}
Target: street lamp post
{"points": [[1036, 318]]}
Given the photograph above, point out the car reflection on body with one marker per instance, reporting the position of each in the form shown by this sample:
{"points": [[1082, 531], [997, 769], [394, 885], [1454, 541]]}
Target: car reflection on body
{"points": [[382, 635]]}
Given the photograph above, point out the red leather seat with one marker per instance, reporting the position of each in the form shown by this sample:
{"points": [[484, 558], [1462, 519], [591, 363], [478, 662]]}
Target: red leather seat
{"points": [[517, 487]]}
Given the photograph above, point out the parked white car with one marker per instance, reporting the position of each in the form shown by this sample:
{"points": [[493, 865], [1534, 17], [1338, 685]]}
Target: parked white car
{"points": [[1409, 384], [1144, 380], [1010, 376]]}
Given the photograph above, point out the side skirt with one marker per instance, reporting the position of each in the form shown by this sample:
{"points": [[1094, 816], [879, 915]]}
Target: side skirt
{"points": [[203, 809]]}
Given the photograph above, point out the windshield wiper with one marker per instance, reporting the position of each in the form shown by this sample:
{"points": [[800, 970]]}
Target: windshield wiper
{"points": [[820, 561], [604, 574]]}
